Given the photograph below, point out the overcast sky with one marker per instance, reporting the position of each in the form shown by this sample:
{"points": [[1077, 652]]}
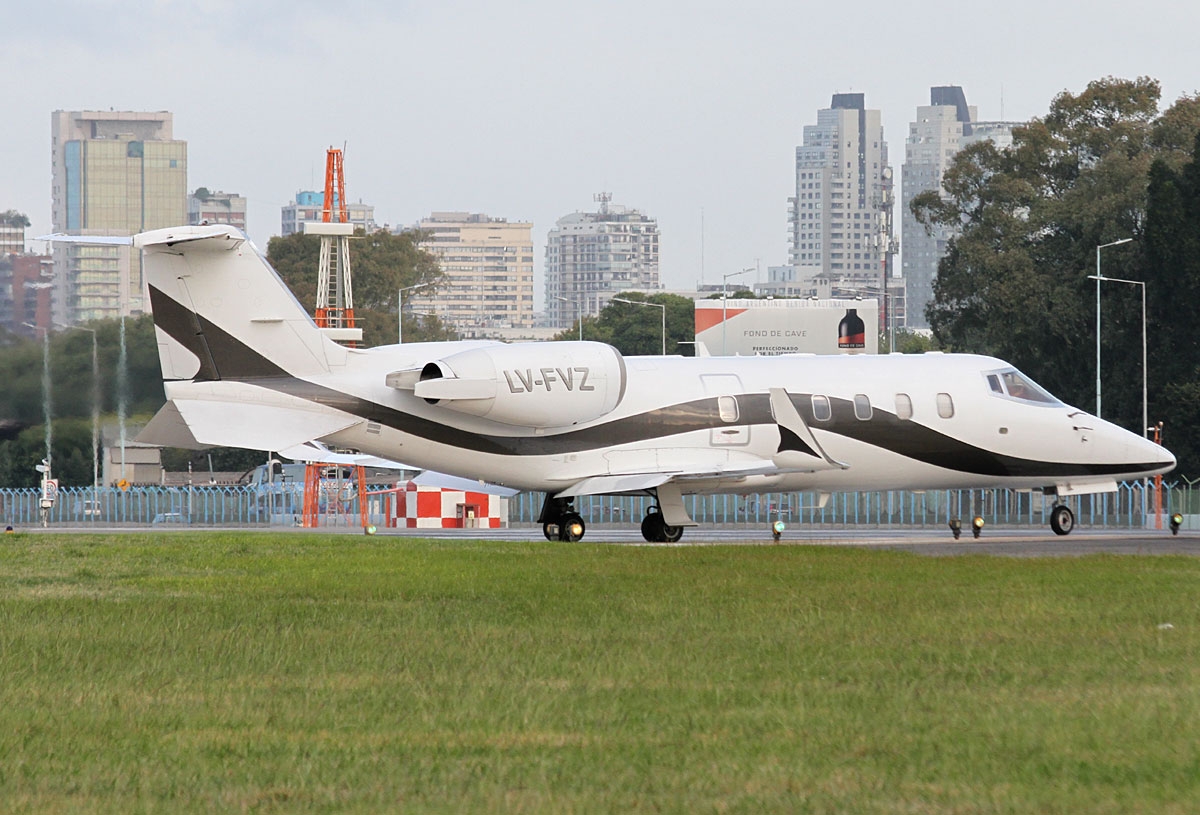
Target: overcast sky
{"points": [[524, 110]]}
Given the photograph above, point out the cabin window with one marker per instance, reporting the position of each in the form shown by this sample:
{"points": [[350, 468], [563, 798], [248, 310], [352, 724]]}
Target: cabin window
{"points": [[727, 407], [945, 406], [904, 409], [821, 410], [862, 407]]}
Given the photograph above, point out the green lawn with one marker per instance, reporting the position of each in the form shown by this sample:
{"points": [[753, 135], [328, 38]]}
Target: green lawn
{"points": [[253, 672]]}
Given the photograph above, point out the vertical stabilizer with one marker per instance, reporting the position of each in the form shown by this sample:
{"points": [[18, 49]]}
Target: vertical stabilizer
{"points": [[221, 312]]}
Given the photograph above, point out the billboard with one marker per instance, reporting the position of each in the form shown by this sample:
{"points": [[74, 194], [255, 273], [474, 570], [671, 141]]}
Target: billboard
{"points": [[772, 327]]}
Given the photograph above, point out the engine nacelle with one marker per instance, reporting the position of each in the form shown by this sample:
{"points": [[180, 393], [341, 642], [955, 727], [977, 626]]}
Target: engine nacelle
{"points": [[544, 384]]}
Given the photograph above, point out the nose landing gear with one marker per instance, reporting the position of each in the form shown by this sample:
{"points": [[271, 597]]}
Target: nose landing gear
{"points": [[1062, 519]]}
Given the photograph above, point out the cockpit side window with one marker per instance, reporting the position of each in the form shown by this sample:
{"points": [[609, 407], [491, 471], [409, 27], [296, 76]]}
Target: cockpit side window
{"points": [[1015, 385]]}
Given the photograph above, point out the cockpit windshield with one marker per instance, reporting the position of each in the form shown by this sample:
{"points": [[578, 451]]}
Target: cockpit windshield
{"points": [[1012, 383]]}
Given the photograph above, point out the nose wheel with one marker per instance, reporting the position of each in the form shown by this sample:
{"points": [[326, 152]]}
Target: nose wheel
{"points": [[656, 530], [1062, 519]]}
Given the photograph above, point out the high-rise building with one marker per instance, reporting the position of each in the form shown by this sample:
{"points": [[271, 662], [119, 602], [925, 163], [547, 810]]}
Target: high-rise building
{"points": [[308, 206], [488, 264], [592, 256], [941, 129], [841, 215], [12, 233], [25, 289], [207, 207], [112, 173]]}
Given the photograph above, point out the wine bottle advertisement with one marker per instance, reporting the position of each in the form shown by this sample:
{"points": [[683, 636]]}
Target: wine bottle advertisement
{"points": [[774, 327]]}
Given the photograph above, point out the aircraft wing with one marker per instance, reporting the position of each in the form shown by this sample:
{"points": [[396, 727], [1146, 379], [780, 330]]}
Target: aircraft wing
{"points": [[318, 453]]}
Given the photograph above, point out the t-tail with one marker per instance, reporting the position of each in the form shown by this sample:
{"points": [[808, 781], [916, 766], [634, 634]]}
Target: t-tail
{"points": [[221, 312]]}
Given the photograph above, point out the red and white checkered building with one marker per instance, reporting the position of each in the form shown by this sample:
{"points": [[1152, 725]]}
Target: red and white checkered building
{"points": [[418, 506]]}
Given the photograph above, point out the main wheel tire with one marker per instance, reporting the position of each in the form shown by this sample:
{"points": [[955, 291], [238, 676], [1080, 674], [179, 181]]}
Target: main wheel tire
{"points": [[550, 530], [1062, 520], [653, 526], [671, 534], [572, 528]]}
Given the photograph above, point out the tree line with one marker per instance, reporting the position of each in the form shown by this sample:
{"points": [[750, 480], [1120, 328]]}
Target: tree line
{"points": [[1101, 166]]}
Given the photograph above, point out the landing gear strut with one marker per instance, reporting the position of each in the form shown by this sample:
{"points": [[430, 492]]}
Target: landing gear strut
{"points": [[1062, 519], [560, 521], [655, 528]]}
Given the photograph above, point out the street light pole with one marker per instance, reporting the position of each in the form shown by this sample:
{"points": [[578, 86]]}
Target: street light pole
{"points": [[655, 305], [1100, 277], [578, 311], [400, 310], [724, 302], [95, 418], [46, 411], [1145, 369]]}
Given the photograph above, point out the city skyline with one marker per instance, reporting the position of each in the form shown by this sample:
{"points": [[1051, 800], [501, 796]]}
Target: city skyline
{"points": [[692, 117]]}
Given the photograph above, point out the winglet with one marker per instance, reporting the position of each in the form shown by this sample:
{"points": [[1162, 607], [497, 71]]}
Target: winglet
{"points": [[798, 447]]}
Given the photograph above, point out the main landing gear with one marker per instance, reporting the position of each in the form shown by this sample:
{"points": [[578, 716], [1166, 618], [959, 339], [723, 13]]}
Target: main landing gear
{"points": [[655, 529], [1062, 519], [560, 521]]}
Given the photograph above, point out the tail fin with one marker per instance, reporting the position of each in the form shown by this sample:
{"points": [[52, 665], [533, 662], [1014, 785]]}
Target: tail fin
{"points": [[221, 311]]}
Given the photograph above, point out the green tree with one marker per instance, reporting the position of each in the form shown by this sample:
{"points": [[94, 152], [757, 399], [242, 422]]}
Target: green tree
{"points": [[1029, 218], [635, 330], [381, 264], [1172, 240], [10, 217]]}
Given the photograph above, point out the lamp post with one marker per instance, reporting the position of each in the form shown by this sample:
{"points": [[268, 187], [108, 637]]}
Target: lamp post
{"points": [[724, 302], [45, 386], [578, 311], [1142, 283], [95, 418], [1098, 276], [400, 309], [655, 305]]}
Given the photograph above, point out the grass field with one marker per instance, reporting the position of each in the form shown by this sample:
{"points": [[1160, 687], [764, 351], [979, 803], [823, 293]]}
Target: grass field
{"points": [[275, 673]]}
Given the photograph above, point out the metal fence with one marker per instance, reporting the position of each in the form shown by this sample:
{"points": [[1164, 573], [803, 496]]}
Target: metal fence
{"points": [[1132, 506]]}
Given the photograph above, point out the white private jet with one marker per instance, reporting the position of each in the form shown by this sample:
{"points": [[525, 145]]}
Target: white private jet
{"points": [[245, 366]]}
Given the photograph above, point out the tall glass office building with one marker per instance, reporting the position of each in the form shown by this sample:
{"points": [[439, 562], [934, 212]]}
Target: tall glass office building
{"points": [[113, 173]]}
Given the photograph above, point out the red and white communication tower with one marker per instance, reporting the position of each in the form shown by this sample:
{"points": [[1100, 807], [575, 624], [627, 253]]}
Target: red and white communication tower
{"points": [[335, 295]]}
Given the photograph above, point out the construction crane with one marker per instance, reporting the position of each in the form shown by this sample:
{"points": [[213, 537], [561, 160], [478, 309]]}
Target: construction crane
{"points": [[335, 294]]}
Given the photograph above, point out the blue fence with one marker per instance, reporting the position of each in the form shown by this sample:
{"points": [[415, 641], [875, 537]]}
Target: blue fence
{"points": [[1132, 506]]}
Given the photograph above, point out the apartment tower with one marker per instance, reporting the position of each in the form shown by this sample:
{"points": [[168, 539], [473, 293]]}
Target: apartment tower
{"points": [[488, 268], [592, 256]]}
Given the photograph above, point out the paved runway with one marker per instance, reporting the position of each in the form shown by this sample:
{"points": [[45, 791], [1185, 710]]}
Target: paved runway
{"points": [[1006, 542]]}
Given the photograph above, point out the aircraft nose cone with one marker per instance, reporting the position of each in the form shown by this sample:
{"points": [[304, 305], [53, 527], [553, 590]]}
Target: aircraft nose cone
{"points": [[1160, 459]]}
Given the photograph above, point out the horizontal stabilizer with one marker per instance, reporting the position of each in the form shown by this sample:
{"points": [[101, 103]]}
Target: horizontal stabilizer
{"points": [[257, 427], [92, 240], [168, 429]]}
